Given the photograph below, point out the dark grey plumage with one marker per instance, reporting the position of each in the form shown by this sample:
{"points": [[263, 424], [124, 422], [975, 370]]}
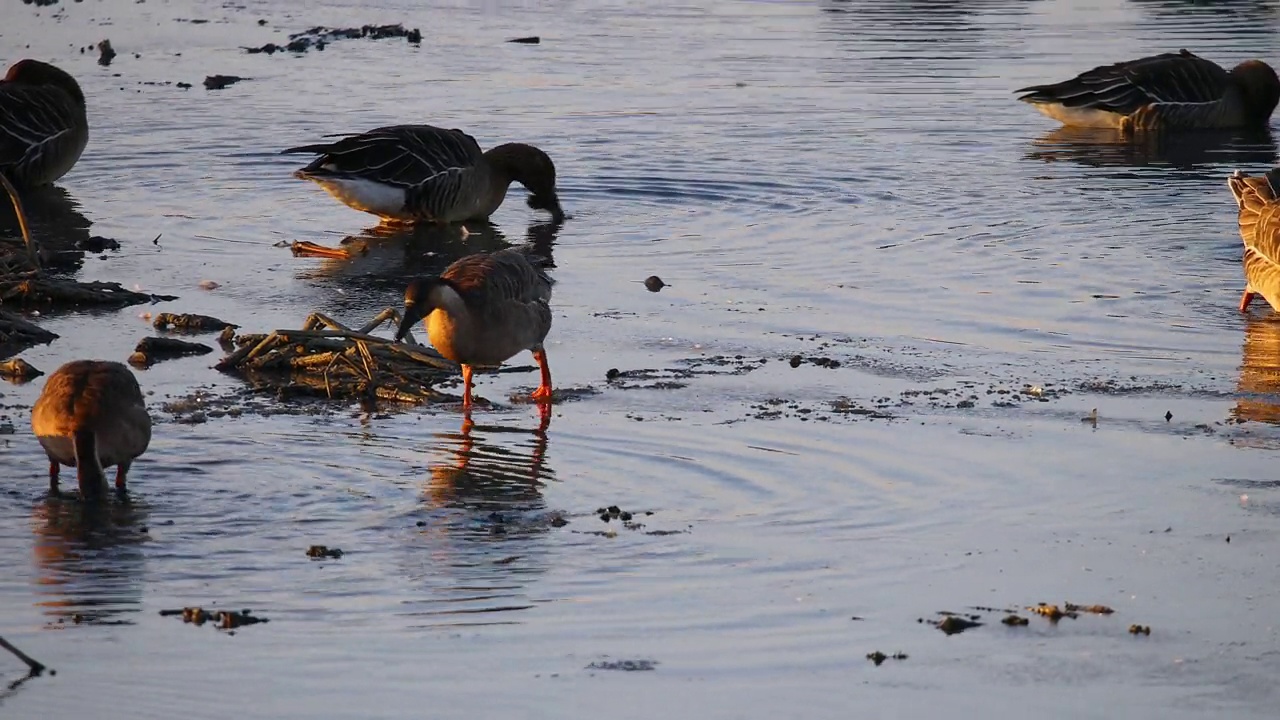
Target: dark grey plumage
{"points": [[43, 126], [1170, 90], [422, 172]]}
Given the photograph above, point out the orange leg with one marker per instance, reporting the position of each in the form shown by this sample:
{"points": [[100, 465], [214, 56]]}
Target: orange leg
{"points": [[121, 470], [466, 387], [1246, 298], [54, 468], [543, 393]]}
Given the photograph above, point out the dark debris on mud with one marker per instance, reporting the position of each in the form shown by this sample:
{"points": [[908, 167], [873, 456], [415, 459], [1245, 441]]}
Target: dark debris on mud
{"points": [[325, 359], [219, 619], [151, 350], [624, 665], [319, 37]]}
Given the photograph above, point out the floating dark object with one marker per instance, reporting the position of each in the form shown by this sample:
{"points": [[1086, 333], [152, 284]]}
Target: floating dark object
{"points": [[151, 350], [262, 22], [319, 36], [1139, 629], [530, 40], [184, 85], [796, 360], [105, 53], [218, 82], [190, 322], [1168, 415], [1015, 620], [222, 619], [654, 283]]}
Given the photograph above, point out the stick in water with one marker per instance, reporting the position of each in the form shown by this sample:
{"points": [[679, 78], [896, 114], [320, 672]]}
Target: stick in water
{"points": [[32, 252], [36, 666]]}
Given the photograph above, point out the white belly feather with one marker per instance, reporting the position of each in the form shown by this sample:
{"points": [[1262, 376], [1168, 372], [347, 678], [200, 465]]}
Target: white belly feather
{"points": [[366, 195]]}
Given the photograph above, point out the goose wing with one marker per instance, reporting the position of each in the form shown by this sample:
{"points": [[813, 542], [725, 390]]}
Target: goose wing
{"points": [[1259, 200], [491, 280], [36, 121], [1124, 87], [406, 156]]}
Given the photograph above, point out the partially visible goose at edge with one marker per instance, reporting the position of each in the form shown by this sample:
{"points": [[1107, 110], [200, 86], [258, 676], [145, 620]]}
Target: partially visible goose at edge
{"points": [[1169, 91], [412, 173], [1258, 198], [483, 309], [91, 415], [43, 127]]}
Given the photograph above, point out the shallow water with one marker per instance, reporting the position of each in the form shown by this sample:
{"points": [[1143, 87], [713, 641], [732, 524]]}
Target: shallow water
{"points": [[849, 180]]}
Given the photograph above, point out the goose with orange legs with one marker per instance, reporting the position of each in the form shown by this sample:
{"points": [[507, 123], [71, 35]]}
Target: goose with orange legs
{"points": [[484, 309]]}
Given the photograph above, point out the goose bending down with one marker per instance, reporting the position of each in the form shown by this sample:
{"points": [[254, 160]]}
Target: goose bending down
{"points": [[1258, 198], [1168, 91], [412, 173], [91, 415], [483, 309]]}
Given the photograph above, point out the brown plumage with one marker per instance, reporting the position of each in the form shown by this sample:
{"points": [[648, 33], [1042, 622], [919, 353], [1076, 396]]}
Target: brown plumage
{"points": [[412, 173], [91, 415], [1169, 91], [1258, 198], [483, 309], [43, 126]]}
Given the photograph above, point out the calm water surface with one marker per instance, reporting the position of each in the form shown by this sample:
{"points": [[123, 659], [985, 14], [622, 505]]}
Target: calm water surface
{"points": [[848, 179]]}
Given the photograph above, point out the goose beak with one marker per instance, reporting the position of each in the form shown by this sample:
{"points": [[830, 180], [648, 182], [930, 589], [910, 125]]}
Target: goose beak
{"points": [[412, 314], [550, 203]]}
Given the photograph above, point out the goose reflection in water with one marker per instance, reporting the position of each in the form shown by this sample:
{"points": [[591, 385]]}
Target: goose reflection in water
{"points": [[1259, 386], [89, 559], [56, 224], [1204, 150], [384, 258], [485, 536], [482, 475]]}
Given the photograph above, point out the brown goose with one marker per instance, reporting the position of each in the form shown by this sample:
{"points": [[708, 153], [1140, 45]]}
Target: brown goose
{"points": [[412, 173], [91, 415], [1170, 91], [483, 309], [43, 128], [1258, 198]]}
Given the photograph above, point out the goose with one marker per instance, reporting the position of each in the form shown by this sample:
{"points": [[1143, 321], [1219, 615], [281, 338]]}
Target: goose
{"points": [[91, 415], [483, 309], [43, 127], [417, 173], [1258, 198], [1169, 91]]}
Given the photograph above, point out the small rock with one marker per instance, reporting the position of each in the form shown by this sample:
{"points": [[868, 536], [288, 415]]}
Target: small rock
{"points": [[1015, 621], [1139, 629], [796, 360], [97, 243], [612, 374]]}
